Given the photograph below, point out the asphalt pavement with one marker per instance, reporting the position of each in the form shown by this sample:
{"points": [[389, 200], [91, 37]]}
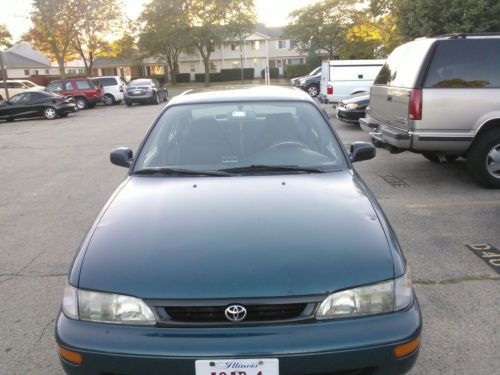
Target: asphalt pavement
{"points": [[56, 175]]}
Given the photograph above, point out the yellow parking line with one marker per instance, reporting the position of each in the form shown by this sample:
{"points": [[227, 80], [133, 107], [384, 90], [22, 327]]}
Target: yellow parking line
{"points": [[454, 204]]}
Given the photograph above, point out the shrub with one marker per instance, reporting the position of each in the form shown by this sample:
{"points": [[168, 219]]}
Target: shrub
{"points": [[235, 74], [296, 70], [273, 73], [183, 77], [214, 77]]}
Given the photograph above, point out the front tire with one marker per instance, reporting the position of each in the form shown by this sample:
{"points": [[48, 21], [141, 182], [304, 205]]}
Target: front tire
{"points": [[81, 103], [109, 99], [49, 113], [128, 103], [313, 90], [156, 99], [483, 159]]}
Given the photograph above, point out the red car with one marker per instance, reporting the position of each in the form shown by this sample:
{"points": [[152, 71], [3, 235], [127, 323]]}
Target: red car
{"points": [[86, 93]]}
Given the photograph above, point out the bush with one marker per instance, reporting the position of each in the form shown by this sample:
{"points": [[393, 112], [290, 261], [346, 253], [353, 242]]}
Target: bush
{"points": [[235, 74], [159, 77], [296, 70], [183, 77], [273, 73], [214, 77]]}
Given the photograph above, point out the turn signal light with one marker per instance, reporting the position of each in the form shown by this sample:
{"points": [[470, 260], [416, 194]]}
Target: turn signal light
{"points": [[408, 348], [70, 356]]}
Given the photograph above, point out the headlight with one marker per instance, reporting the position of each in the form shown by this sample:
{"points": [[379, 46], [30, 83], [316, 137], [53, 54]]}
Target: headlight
{"points": [[302, 82], [385, 297], [352, 106], [106, 307]]}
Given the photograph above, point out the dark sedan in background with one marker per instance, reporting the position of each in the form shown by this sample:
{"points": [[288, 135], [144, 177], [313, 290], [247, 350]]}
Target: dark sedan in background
{"points": [[36, 104], [353, 108], [145, 90], [309, 83], [233, 247]]}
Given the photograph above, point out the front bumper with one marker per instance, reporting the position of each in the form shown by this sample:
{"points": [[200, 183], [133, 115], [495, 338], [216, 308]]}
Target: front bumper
{"points": [[66, 108], [350, 116], [302, 349], [144, 98]]}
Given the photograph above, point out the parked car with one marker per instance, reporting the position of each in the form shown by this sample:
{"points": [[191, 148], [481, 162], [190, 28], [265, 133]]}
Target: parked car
{"points": [[439, 97], [145, 90], [86, 93], [236, 235], [17, 86], [36, 104], [353, 108], [308, 83], [113, 89], [343, 78]]}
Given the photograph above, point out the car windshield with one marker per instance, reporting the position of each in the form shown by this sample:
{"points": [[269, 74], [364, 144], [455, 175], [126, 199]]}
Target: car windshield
{"points": [[315, 71], [225, 136]]}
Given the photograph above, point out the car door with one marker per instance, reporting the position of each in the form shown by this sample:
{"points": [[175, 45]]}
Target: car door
{"points": [[15, 107]]}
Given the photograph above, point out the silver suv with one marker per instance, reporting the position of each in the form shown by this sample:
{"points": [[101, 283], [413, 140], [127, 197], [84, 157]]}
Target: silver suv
{"points": [[441, 97]]}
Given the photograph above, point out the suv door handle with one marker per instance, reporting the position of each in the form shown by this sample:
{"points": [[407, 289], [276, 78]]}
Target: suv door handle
{"points": [[389, 98]]}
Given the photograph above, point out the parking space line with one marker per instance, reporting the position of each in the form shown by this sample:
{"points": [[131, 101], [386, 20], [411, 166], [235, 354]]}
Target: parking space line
{"points": [[454, 204]]}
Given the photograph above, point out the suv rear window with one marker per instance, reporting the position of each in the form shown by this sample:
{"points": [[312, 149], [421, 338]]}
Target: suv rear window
{"points": [[85, 85], [465, 63], [105, 82], [403, 64]]}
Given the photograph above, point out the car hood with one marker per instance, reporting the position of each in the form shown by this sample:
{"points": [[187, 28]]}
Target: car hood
{"points": [[223, 237]]}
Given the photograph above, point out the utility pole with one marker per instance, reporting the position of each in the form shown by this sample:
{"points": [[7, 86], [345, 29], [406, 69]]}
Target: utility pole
{"points": [[4, 75]]}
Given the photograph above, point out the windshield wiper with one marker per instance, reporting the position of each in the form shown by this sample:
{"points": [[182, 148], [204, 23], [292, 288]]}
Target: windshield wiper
{"points": [[180, 171], [272, 168]]}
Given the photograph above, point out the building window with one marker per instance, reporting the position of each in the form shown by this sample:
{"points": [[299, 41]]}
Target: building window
{"points": [[281, 44], [236, 64], [212, 68], [26, 72], [192, 68], [47, 71], [256, 45], [293, 44]]}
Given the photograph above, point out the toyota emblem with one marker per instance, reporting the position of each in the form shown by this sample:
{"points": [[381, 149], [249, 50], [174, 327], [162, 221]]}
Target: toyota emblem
{"points": [[235, 313]]}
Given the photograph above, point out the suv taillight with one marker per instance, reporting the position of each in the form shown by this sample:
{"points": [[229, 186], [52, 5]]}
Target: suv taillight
{"points": [[121, 88], [415, 105], [329, 90]]}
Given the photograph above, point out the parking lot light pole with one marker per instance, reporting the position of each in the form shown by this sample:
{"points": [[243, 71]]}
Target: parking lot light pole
{"points": [[4, 75]]}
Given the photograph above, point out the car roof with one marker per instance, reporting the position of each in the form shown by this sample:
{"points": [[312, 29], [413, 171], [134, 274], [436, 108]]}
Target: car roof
{"points": [[70, 79], [223, 94]]}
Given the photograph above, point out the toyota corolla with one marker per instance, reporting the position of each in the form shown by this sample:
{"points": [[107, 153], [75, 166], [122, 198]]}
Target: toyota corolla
{"points": [[242, 242]]}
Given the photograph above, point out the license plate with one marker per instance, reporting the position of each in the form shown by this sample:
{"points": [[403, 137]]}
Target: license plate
{"points": [[237, 367], [137, 92]]}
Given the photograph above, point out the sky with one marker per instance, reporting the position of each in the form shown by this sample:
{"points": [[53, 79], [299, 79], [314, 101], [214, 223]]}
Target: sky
{"points": [[15, 13]]}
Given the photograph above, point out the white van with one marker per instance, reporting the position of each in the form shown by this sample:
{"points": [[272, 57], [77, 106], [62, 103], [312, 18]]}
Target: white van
{"points": [[342, 78]]}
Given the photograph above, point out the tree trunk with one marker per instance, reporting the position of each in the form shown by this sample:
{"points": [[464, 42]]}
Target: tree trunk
{"points": [[62, 72], [167, 69]]}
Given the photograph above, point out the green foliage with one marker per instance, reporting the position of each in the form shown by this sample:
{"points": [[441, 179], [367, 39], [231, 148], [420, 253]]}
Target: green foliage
{"points": [[165, 33], [5, 37], [235, 74], [418, 18], [296, 70], [321, 26], [97, 18]]}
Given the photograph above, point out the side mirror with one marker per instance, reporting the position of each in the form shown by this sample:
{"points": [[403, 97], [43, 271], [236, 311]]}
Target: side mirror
{"points": [[122, 157], [362, 151]]}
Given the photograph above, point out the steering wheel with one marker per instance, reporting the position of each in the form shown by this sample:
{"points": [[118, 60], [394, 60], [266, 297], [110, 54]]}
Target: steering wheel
{"points": [[287, 144]]}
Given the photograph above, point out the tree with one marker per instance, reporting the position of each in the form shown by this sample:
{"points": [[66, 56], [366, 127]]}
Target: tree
{"points": [[321, 26], [97, 19], [5, 37], [416, 18], [166, 32], [54, 28], [363, 38], [211, 22]]}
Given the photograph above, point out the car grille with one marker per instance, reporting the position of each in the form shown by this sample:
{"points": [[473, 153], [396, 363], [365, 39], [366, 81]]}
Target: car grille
{"points": [[258, 312]]}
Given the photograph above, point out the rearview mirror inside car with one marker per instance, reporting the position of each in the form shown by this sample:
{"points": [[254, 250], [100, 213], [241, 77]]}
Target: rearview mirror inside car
{"points": [[360, 151], [122, 157]]}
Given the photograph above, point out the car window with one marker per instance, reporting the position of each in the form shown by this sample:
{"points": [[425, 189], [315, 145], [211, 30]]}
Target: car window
{"points": [[15, 85], [465, 63], [140, 82], [105, 82], [84, 84], [55, 86], [37, 95], [226, 135], [17, 99]]}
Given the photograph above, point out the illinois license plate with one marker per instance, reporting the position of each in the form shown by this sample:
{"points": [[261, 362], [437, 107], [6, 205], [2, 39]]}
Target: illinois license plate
{"points": [[237, 367]]}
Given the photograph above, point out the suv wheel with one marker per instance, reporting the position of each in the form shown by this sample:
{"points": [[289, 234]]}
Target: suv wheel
{"points": [[433, 156], [109, 99], [483, 159], [49, 113], [128, 103], [81, 103], [313, 90]]}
